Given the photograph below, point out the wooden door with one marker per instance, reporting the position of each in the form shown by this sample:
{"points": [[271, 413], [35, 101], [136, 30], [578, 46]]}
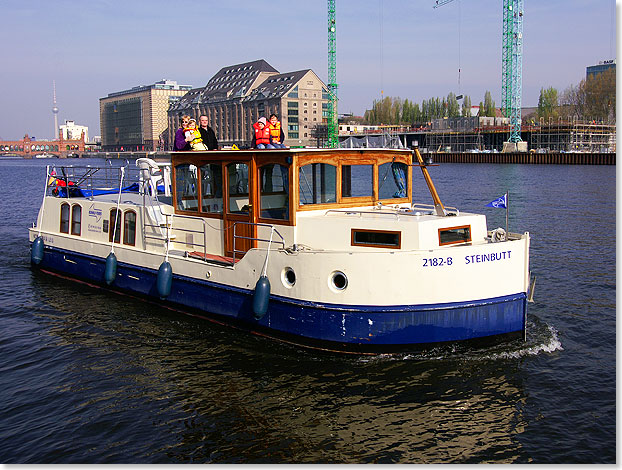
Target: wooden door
{"points": [[238, 216]]}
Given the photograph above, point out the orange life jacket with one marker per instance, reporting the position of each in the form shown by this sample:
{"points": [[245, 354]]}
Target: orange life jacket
{"points": [[262, 136], [275, 131]]}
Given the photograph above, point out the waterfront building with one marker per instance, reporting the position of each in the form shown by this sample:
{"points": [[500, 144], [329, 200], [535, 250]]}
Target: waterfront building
{"points": [[28, 147], [236, 96], [134, 119], [70, 130], [602, 66]]}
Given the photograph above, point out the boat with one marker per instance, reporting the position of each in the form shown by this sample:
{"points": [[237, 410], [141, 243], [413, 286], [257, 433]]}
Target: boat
{"points": [[321, 248], [45, 155]]}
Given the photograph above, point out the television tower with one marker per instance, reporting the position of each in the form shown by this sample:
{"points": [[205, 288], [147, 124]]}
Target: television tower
{"points": [[55, 112]]}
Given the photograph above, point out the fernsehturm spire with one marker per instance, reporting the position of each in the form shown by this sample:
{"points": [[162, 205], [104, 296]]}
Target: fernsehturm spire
{"points": [[55, 111]]}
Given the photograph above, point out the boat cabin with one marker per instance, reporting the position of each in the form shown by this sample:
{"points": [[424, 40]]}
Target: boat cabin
{"points": [[250, 189]]}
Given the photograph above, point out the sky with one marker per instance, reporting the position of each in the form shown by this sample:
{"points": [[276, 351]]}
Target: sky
{"points": [[397, 48]]}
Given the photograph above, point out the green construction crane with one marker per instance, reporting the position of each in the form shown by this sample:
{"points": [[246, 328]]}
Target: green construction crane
{"points": [[511, 63], [332, 124]]}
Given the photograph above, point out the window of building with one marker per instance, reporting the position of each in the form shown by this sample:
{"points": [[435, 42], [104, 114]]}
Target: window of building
{"points": [[274, 192], [129, 228], [76, 219], [292, 135], [317, 184], [64, 218]]}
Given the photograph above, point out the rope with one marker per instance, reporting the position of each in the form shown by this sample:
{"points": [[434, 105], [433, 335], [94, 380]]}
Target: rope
{"points": [[265, 264]]}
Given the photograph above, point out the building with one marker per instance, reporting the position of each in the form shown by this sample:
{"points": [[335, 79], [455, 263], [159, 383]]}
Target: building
{"points": [[603, 65], [28, 147], [238, 95], [134, 119], [71, 130]]}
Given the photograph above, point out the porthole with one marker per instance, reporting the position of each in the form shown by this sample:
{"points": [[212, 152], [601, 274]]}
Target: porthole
{"points": [[338, 281], [288, 277]]}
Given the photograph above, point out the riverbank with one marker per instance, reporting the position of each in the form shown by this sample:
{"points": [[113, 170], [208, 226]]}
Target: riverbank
{"points": [[551, 158]]}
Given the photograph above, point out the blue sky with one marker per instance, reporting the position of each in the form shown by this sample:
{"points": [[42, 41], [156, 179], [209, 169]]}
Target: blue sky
{"points": [[405, 48]]}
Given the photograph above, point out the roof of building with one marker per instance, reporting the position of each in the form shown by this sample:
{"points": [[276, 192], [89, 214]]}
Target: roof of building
{"points": [[276, 85], [241, 81]]}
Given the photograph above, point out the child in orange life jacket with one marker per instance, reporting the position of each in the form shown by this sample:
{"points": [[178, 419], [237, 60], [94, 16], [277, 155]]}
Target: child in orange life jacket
{"points": [[277, 136], [261, 137], [192, 131]]}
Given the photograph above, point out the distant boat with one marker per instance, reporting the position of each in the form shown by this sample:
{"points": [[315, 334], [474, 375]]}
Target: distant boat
{"points": [[45, 155]]}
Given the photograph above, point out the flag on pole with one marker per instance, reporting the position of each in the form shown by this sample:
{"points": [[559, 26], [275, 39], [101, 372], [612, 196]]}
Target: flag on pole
{"points": [[499, 203]]}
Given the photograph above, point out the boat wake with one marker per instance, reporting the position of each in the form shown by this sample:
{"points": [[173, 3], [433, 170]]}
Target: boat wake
{"points": [[542, 338]]}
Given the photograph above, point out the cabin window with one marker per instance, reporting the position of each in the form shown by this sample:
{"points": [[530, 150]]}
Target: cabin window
{"points": [[76, 219], [317, 184], [357, 180], [129, 228], [237, 182], [274, 200], [115, 226], [452, 235], [376, 238], [211, 188], [64, 218], [393, 180], [186, 187]]}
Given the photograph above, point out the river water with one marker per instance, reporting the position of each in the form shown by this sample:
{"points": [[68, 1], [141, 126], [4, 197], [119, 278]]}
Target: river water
{"points": [[92, 377]]}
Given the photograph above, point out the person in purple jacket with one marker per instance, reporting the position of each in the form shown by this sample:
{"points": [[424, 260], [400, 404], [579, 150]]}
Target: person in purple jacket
{"points": [[181, 141]]}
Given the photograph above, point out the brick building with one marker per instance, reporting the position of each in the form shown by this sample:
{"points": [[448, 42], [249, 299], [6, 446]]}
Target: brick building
{"points": [[29, 147]]}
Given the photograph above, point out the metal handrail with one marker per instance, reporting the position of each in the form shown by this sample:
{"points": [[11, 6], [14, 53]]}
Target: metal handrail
{"points": [[240, 237], [394, 212]]}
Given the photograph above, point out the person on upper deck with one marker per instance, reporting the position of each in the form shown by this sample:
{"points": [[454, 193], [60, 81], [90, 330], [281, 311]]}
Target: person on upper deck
{"points": [[181, 141], [191, 131], [261, 137], [207, 133], [277, 136]]}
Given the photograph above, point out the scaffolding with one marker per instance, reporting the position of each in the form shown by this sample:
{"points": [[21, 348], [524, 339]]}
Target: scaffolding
{"points": [[573, 136]]}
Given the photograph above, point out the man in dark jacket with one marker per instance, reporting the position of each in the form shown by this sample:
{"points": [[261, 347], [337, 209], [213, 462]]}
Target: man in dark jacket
{"points": [[207, 133]]}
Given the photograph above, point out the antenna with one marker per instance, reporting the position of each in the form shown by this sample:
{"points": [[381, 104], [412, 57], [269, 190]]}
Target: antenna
{"points": [[55, 112]]}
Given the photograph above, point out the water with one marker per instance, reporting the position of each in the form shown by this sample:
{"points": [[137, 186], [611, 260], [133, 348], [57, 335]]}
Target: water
{"points": [[90, 377]]}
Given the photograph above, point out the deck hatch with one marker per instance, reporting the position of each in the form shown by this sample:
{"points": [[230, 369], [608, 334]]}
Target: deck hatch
{"points": [[452, 235], [376, 238]]}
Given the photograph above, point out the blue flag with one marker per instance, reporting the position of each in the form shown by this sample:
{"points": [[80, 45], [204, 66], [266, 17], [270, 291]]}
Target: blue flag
{"points": [[499, 203]]}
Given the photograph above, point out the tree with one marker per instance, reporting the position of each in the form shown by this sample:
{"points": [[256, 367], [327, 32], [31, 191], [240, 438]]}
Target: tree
{"points": [[548, 106], [489, 105], [466, 106], [593, 98], [453, 108]]}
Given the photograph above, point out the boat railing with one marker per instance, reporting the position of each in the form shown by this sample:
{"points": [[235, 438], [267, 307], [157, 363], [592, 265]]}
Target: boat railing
{"points": [[418, 206], [89, 181], [237, 237], [396, 213], [170, 228]]}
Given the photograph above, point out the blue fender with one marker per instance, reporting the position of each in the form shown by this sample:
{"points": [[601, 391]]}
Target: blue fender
{"points": [[36, 253], [261, 297], [111, 268], [165, 279]]}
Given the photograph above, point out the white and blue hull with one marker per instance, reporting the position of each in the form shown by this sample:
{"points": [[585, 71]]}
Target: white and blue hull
{"points": [[355, 328]]}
